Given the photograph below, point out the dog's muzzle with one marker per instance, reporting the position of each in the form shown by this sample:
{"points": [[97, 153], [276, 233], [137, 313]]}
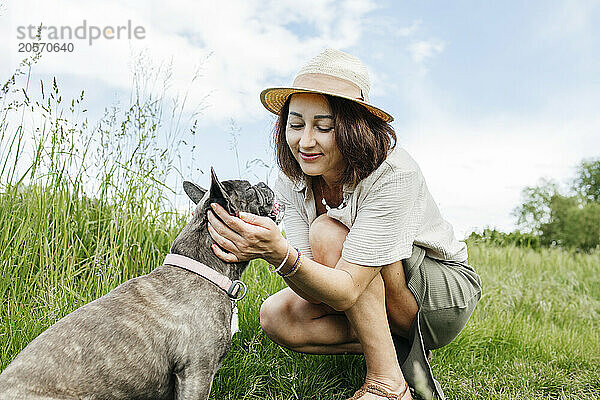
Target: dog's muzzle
{"points": [[277, 212]]}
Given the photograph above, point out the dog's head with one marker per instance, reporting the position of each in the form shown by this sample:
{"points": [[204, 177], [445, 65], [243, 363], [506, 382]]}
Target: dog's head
{"points": [[194, 240], [235, 196]]}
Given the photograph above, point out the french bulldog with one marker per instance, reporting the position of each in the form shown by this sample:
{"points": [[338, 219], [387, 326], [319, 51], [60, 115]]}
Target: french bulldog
{"points": [[159, 336]]}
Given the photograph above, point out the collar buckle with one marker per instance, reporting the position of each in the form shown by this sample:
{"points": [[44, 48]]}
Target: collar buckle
{"points": [[234, 291]]}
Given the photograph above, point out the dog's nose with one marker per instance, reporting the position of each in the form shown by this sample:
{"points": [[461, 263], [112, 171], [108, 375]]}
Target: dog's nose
{"points": [[277, 212]]}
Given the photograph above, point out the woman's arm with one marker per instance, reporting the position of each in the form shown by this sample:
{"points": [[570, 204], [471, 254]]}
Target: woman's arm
{"points": [[337, 287], [301, 293], [251, 236]]}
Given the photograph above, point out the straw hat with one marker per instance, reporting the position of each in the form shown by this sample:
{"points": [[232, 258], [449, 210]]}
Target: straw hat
{"points": [[332, 72]]}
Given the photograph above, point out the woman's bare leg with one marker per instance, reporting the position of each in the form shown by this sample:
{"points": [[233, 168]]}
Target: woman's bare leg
{"points": [[369, 319], [318, 329], [293, 322]]}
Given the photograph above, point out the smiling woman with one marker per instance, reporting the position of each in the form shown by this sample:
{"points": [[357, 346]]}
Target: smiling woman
{"points": [[371, 265], [310, 137], [362, 142]]}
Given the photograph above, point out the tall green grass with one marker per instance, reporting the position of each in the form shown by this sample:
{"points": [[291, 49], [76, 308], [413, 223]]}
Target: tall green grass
{"points": [[85, 209], [82, 207]]}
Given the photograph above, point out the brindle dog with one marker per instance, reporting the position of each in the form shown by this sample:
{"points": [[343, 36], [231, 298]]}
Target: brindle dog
{"points": [[158, 336]]}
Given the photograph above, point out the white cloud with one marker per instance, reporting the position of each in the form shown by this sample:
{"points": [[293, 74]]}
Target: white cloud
{"points": [[409, 30], [246, 45], [386, 26], [423, 50]]}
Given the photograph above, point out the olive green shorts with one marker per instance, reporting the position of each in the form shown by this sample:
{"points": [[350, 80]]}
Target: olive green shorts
{"points": [[446, 292]]}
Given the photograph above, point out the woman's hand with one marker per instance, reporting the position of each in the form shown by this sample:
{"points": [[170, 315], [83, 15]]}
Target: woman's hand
{"points": [[245, 238]]}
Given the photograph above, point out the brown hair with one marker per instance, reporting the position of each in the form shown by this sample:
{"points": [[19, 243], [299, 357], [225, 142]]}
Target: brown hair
{"points": [[362, 138]]}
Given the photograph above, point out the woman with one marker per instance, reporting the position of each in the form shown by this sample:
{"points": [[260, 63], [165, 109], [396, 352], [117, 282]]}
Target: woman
{"points": [[368, 258]]}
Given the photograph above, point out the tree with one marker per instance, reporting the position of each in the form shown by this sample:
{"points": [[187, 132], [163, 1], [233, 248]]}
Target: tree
{"points": [[587, 182], [582, 228], [571, 220], [535, 209], [572, 224]]}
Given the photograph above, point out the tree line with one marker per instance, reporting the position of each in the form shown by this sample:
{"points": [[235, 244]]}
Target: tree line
{"points": [[548, 216]]}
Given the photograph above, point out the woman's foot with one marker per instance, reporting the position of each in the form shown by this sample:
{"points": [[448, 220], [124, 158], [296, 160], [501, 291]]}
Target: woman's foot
{"points": [[379, 391]]}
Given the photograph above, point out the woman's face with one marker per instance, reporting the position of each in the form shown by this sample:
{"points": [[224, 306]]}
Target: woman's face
{"points": [[310, 136]]}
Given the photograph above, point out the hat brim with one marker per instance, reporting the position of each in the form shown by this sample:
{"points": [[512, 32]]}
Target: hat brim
{"points": [[274, 98]]}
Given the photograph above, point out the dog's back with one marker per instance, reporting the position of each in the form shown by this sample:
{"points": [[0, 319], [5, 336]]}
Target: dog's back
{"points": [[130, 343]]}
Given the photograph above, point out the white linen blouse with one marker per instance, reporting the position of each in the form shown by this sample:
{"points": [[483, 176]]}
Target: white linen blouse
{"points": [[386, 213]]}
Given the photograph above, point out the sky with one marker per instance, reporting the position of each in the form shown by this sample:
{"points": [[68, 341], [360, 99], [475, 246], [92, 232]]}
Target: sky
{"points": [[488, 97]]}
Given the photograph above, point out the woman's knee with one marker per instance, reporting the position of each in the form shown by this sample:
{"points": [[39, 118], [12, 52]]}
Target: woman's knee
{"points": [[279, 319], [271, 314], [326, 237]]}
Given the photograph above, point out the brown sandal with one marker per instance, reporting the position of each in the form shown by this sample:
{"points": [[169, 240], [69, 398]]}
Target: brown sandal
{"points": [[379, 391]]}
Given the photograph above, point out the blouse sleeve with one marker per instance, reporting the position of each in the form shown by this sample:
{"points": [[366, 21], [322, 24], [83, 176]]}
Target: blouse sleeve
{"points": [[387, 220], [295, 221]]}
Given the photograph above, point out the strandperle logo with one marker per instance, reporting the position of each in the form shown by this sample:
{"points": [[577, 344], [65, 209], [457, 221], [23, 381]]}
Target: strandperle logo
{"points": [[84, 31]]}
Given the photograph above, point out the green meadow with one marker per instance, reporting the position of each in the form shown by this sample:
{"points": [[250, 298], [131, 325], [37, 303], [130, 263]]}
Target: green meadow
{"points": [[534, 334], [65, 241]]}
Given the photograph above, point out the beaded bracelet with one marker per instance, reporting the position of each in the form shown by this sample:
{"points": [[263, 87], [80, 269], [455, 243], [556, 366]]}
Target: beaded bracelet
{"points": [[291, 273], [295, 267], [287, 255]]}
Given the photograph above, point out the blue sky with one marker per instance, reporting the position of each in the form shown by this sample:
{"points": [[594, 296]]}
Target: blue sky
{"points": [[488, 97]]}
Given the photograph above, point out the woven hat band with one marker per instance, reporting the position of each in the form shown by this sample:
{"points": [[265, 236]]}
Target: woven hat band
{"points": [[330, 84]]}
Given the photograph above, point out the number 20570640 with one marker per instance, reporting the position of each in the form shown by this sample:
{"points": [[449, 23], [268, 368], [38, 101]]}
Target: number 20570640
{"points": [[40, 47]]}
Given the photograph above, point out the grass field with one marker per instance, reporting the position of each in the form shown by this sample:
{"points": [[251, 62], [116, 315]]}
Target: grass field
{"points": [[534, 335]]}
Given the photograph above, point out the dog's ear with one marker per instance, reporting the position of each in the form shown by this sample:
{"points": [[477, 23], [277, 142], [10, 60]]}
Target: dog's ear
{"points": [[194, 192], [218, 193]]}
